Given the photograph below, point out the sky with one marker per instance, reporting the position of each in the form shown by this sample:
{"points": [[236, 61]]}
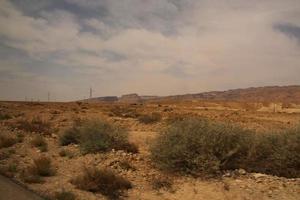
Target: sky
{"points": [[149, 47]]}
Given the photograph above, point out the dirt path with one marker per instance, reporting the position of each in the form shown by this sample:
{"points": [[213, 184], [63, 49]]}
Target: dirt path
{"points": [[12, 191]]}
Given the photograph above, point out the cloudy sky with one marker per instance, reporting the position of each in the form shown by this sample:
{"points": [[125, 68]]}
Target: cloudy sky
{"points": [[154, 47]]}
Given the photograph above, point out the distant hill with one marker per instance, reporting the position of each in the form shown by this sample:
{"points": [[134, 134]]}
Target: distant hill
{"points": [[287, 94]]}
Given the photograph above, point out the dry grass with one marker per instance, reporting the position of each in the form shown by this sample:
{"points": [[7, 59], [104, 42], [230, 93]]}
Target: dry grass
{"points": [[161, 183], [7, 140], [35, 125], [39, 142], [103, 181], [5, 116], [41, 167], [150, 119], [64, 195]]}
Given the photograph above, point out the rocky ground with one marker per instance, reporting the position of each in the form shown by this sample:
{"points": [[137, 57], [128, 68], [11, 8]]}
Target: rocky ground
{"points": [[148, 181]]}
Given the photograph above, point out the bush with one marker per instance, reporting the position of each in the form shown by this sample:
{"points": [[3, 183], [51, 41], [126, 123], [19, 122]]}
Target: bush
{"points": [[99, 136], [5, 116], [64, 195], [275, 153], [126, 112], [39, 142], [8, 170], [201, 147], [67, 153], [35, 125], [104, 181], [30, 175], [161, 183], [150, 119], [70, 136], [7, 141], [41, 167]]}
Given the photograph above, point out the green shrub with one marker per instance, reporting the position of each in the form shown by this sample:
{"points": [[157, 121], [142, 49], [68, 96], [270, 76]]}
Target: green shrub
{"points": [[70, 136], [199, 147], [100, 136], [202, 147], [35, 125], [7, 140], [102, 180], [64, 195], [275, 153], [150, 119], [39, 142]]}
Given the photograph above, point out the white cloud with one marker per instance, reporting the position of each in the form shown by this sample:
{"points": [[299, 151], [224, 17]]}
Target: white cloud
{"points": [[189, 46]]}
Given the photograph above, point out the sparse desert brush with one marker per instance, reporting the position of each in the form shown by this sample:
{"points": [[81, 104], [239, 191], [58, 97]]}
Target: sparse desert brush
{"points": [[7, 140], [103, 181], [150, 119], [39, 142], [203, 148], [161, 183], [98, 136], [70, 136], [34, 125], [41, 167], [199, 147], [122, 111], [8, 170], [5, 116], [64, 195], [275, 153], [126, 165], [66, 153]]}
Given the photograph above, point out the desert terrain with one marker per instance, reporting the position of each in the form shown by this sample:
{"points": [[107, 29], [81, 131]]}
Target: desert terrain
{"points": [[148, 181]]}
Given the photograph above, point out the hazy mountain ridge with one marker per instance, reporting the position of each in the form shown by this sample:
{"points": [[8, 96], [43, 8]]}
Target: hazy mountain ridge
{"points": [[288, 94]]}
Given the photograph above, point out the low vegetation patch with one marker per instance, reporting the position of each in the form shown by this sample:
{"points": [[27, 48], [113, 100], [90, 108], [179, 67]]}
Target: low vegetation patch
{"points": [[7, 141], [103, 181], [8, 170], [41, 167], [70, 136], [161, 183], [64, 195], [66, 153], [35, 125], [205, 148], [5, 116], [98, 136], [150, 119], [125, 112], [39, 142]]}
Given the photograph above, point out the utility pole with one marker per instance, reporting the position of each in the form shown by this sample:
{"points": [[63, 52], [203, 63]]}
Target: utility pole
{"points": [[91, 92]]}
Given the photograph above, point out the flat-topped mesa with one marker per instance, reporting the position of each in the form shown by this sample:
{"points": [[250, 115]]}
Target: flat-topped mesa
{"points": [[130, 98]]}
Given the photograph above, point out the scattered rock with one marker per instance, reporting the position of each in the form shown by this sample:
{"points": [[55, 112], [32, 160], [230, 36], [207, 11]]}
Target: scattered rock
{"points": [[258, 175], [242, 172]]}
